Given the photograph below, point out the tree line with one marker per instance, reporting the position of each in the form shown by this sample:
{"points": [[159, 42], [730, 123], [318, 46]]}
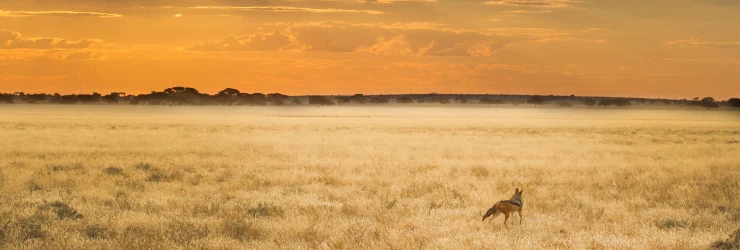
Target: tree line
{"points": [[231, 96]]}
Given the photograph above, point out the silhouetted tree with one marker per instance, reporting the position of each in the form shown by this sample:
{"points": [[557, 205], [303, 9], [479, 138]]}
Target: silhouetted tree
{"points": [[228, 95], [68, 99], [379, 100], [734, 102], [320, 100], [536, 100], [359, 98], [343, 99], [461, 99], [605, 102], [708, 103], [297, 101], [621, 102], [112, 97], [405, 100], [486, 100], [588, 102], [7, 98], [564, 104]]}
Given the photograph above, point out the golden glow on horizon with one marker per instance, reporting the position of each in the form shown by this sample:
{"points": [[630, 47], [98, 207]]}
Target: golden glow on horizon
{"points": [[684, 49]]}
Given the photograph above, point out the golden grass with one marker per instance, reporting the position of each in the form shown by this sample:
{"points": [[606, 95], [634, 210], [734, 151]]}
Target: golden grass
{"points": [[364, 177]]}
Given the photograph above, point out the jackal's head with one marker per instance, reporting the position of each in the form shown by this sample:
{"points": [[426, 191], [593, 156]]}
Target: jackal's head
{"points": [[517, 193]]}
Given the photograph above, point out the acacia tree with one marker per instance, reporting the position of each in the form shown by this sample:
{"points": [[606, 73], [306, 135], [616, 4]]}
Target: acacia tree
{"points": [[708, 103], [227, 95], [734, 102]]}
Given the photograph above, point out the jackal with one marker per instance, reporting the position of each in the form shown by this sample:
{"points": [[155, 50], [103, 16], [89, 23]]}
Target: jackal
{"points": [[507, 207]]}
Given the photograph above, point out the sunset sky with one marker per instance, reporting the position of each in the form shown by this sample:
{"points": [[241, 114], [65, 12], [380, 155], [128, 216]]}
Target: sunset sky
{"points": [[644, 48]]}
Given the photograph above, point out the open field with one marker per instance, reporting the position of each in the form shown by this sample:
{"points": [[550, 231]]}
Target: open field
{"points": [[365, 177]]}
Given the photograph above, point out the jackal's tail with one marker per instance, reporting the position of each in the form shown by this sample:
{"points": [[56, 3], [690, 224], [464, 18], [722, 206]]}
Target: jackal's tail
{"points": [[493, 211]]}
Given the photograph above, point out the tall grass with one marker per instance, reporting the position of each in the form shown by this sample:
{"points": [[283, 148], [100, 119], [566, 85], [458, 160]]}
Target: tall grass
{"points": [[179, 177]]}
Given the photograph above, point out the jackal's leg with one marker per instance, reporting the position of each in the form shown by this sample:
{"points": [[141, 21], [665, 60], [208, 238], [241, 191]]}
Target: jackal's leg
{"points": [[506, 218], [520, 217]]}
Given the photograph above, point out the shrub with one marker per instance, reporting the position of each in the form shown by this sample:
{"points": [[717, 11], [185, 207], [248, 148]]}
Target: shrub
{"points": [[31, 228], [98, 232], [62, 210], [265, 210], [143, 166], [672, 224], [113, 170], [733, 242]]}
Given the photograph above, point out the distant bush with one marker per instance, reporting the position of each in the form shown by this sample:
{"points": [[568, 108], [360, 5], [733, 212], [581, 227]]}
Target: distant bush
{"points": [[672, 224], [62, 210], [143, 166], [733, 242], [99, 232], [113, 170], [31, 228], [265, 210]]}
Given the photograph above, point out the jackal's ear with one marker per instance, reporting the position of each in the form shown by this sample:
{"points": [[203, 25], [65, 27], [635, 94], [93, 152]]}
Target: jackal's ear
{"points": [[520, 191], [516, 191]]}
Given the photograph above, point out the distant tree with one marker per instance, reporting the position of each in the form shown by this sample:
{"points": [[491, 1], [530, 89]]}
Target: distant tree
{"points": [[320, 100], [588, 102], [486, 100], [6, 98], [405, 99], [734, 102], [708, 103], [228, 96], [564, 104], [461, 99], [343, 99], [68, 99], [276, 96], [379, 100], [112, 97], [297, 101], [621, 102], [536, 100], [605, 102], [359, 98]]}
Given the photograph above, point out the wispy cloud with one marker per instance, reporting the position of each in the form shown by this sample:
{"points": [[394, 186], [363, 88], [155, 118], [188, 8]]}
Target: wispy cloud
{"points": [[528, 11], [533, 3], [700, 43], [394, 1], [54, 13], [14, 40], [288, 9]]}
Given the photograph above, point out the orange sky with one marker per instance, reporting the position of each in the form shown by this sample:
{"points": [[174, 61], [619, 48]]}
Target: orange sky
{"points": [[646, 48]]}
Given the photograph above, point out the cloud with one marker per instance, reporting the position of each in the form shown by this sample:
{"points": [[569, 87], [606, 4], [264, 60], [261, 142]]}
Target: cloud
{"points": [[278, 9], [14, 40], [533, 3], [700, 43], [528, 11], [394, 1], [55, 13], [410, 39]]}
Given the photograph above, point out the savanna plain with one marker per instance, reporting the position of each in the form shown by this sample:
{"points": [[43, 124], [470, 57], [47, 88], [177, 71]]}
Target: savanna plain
{"points": [[161, 177]]}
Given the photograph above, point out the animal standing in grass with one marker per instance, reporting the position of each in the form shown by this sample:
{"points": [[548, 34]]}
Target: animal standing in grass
{"points": [[507, 207]]}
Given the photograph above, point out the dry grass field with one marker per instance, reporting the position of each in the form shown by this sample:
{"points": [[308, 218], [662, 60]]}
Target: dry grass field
{"points": [[131, 177]]}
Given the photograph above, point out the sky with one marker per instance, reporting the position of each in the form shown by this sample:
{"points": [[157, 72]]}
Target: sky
{"points": [[640, 48]]}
